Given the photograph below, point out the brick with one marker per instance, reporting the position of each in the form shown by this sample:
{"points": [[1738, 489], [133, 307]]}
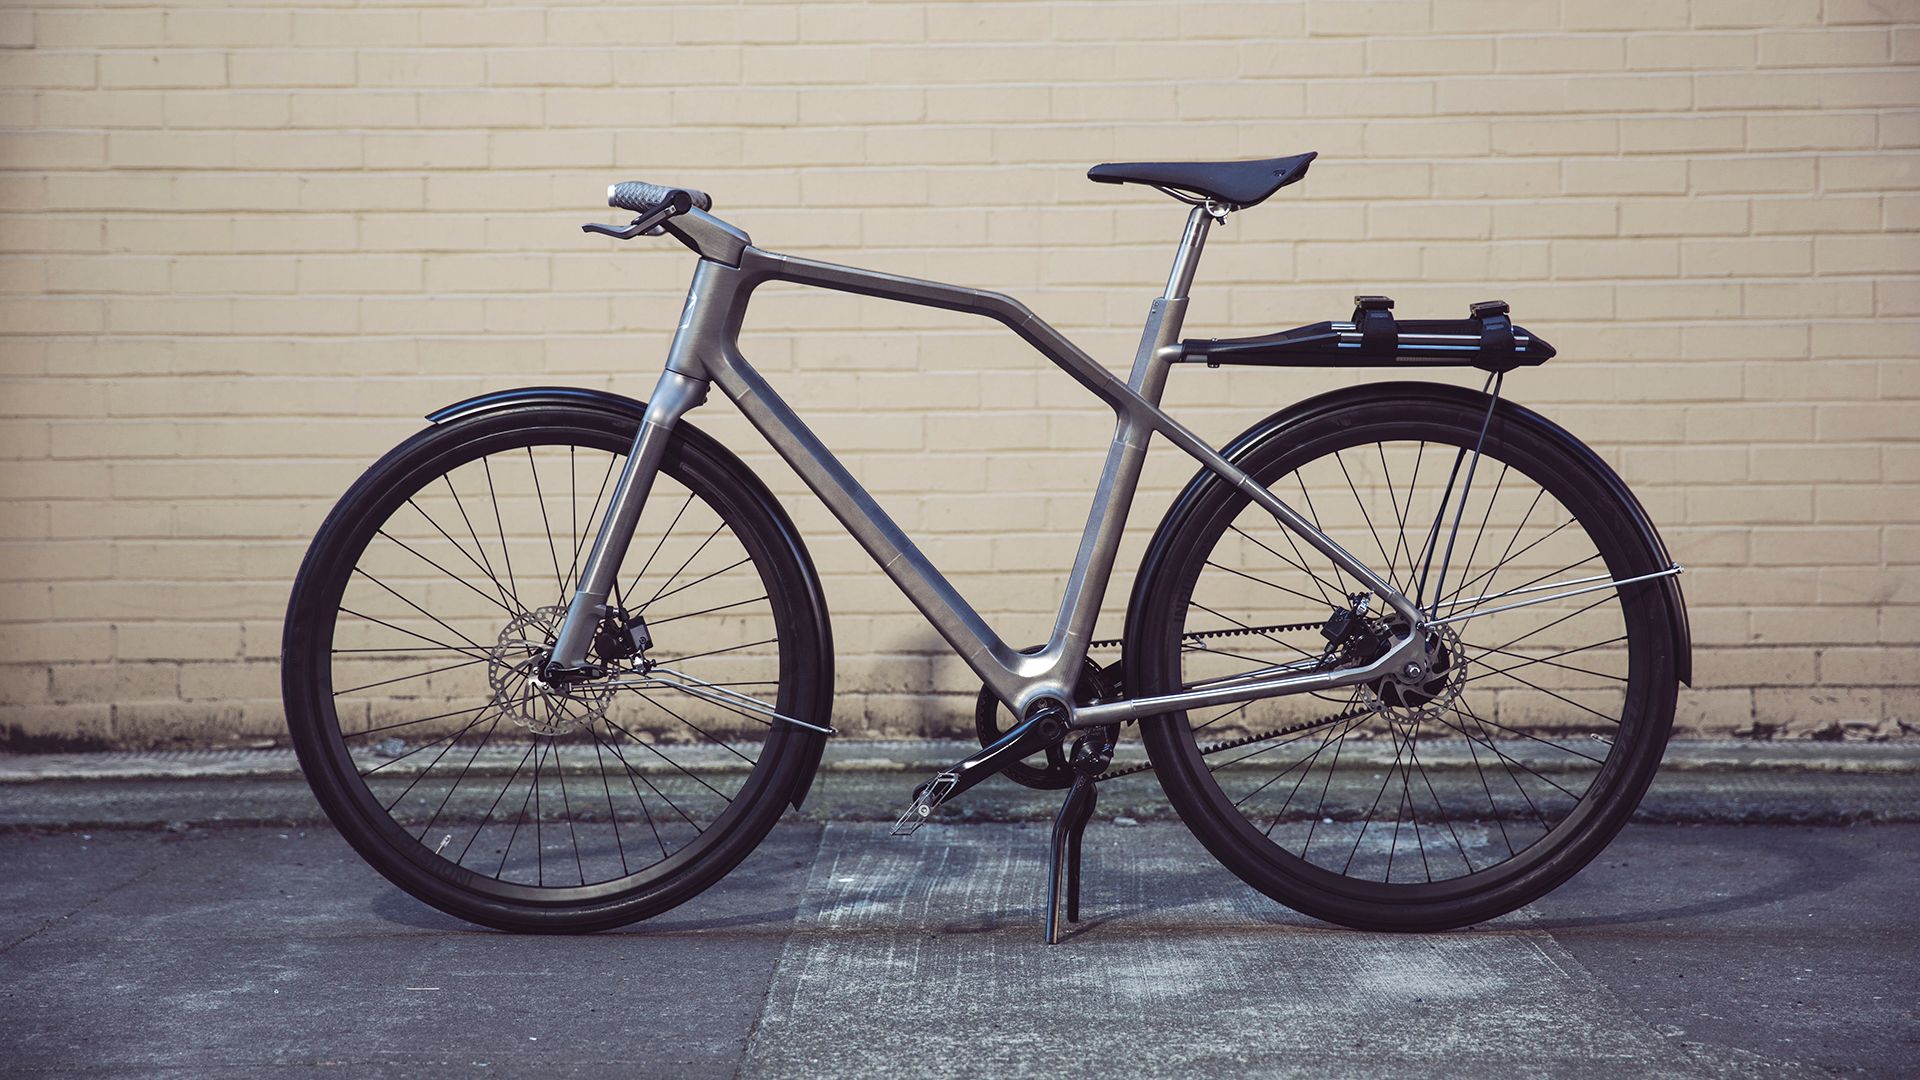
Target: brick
{"points": [[1747, 257], [1691, 51], [1837, 131], [163, 69]]}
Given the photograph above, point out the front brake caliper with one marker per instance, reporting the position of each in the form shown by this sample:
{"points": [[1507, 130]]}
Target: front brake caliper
{"points": [[622, 636]]}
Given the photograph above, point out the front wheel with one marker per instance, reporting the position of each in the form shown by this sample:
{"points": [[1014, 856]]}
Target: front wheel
{"points": [[418, 628], [1428, 805]]}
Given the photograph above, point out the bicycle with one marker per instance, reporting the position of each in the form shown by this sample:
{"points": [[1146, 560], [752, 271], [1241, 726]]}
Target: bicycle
{"points": [[601, 744]]}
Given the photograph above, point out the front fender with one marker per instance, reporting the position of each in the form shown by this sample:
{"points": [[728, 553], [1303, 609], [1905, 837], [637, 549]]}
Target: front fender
{"points": [[1278, 425], [602, 400]]}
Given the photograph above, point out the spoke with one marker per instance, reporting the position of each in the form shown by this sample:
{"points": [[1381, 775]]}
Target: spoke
{"points": [[1320, 810], [442, 623], [463, 581], [642, 799], [711, 610], [418, 651], [1549, 659], [1488, 742], [1399, 512], [1320, 584], [593, 515], [1263, 581], [1413, 484], [506, 553], [721, 743], [412, 634], [1467, 567], [455, 786], [1490, 575], [1614, 720], [468, 726], [1481, 771], [502, 603], [655, 751], [682, 567], [566, 807], [1544, 742], [1242, 707], [409, 723], [422, 774], [651, 555], [553, 552], [488, 816], [1501, 758], [1399, 746], [1357, 501], [540, 751], [696, 581], [1413, 756], [404, 678], [717, 652], [486, 563], [620, 845], [1503, 646], [636, 774], [1339, 575]]}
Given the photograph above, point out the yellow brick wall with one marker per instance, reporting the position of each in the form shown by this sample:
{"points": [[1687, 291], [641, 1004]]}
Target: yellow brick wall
{"points": [[246, 247]]}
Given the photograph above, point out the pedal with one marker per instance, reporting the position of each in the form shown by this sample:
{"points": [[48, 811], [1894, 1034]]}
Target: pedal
{"points": [[925, 798]]}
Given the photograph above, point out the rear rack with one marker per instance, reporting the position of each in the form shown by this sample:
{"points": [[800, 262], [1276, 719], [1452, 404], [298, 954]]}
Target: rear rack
{"points": [[1486, 339]]}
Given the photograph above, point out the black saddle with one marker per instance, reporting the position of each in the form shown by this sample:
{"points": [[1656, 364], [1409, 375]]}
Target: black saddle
{"points": [[1239, 184]]}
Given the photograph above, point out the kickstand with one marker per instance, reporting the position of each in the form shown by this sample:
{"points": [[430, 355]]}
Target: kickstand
{"points": [[1068, 826]]}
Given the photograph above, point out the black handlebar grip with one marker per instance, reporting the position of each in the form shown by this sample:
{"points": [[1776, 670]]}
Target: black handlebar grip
{"points": [[644, 198]]}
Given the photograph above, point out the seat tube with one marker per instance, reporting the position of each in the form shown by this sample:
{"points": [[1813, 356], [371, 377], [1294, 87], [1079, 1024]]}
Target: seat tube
{"points": [[672, 397]]}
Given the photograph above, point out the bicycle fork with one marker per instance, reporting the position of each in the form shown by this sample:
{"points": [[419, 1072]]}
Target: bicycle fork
{"points": [[673, 396]]}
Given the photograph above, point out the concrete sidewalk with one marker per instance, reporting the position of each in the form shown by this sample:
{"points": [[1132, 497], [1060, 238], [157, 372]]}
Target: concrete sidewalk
{"points": [[150, 925], [1698, 783], [1686, 951]]}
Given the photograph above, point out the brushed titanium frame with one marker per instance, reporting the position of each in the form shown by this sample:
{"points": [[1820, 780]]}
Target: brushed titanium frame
{"points": [[705, 352]]}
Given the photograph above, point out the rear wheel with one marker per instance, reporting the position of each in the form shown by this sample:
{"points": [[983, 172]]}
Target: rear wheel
{"points": [[1482, 786], [418, 627]]}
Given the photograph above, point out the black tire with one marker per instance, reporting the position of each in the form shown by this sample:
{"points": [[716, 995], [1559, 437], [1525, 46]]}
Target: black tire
{"points": [[1577, 780], [607, 846]]}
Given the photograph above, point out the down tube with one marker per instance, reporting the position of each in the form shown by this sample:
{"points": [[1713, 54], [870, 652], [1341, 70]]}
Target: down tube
{"points": [[1004, 670]]}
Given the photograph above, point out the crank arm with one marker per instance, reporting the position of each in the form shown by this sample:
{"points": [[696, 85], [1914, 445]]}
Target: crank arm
{"points": [[1026, 737]]}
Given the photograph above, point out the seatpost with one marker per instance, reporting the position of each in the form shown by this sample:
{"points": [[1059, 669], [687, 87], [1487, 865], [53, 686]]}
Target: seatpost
{"points": [[1187, 259]]}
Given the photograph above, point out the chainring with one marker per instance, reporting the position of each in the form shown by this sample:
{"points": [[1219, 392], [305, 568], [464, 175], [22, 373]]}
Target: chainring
{"points": [[1096, 684]]}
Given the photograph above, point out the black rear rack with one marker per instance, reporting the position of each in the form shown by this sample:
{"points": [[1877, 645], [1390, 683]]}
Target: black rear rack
{"points": [[1486, 339]]}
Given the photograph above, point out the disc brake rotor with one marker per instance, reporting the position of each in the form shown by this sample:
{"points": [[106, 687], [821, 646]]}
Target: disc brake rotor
{"points": [[520, 695]]}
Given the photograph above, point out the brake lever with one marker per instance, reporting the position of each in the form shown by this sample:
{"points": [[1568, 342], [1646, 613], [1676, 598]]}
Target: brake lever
{"points": [[639, 225]]}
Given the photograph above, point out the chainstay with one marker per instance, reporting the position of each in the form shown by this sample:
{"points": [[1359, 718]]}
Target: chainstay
{"points": [[1229, 744]]}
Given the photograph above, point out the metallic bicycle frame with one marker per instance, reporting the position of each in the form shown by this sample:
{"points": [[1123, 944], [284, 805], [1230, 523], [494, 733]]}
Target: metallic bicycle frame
{"points": [[706, 351]]}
